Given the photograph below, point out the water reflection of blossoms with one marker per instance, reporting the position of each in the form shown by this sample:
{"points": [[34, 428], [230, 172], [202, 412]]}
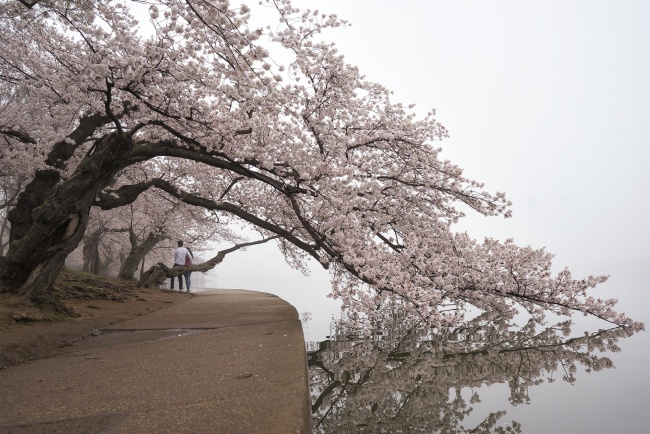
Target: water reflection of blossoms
{"points": [[406, 378]]}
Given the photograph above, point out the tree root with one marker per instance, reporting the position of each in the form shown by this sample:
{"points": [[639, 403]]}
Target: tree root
{"points": [[49, 302]]}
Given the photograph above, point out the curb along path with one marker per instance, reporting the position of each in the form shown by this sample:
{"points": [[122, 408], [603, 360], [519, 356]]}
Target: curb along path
{"points": [[225, 361]]}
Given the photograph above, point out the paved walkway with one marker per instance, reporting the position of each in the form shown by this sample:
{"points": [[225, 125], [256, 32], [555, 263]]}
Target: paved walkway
{"points": [[225, 361]]}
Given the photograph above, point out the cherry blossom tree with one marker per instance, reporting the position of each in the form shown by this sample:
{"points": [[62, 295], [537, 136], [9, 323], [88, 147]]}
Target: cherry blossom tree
{"points": [[144, 233], [304, 150]]}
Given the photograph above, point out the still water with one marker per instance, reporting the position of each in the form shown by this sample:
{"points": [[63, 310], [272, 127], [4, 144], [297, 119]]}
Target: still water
{"points": [[484, 375]]}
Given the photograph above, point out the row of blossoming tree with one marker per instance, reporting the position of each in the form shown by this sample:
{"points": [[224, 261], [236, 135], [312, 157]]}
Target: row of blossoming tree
{"points": [[122, 241], [105, 101]]}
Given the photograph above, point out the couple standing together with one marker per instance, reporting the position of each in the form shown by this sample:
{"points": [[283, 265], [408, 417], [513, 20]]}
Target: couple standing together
{"points": [[182, 257]]}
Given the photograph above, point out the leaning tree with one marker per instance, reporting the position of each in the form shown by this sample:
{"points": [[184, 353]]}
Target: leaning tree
{"points": [[305, 150]]}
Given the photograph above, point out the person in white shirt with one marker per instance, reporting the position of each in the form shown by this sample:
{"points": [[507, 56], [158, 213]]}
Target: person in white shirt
{"points": [[180, 255]]}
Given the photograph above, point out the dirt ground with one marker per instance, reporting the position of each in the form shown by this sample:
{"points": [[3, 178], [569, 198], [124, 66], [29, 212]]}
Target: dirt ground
{"points": [[27, 332]]}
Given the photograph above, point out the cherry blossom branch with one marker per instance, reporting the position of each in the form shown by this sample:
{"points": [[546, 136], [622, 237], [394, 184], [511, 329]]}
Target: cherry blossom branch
{"points": [[127, 194], [20, 135]]}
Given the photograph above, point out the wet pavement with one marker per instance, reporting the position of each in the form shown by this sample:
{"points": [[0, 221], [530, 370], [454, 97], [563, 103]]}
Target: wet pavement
{"points": [[225, 361]]}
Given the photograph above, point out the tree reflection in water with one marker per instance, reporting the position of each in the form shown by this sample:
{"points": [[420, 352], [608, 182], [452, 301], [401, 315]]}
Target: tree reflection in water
{"points": [[403, 377]]}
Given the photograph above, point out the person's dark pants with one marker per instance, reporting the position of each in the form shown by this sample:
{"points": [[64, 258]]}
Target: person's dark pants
{"points": [[180, 280]]}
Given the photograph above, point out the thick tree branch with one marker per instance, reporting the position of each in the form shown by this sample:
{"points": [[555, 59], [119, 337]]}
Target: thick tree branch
{"points": [[153, 276], [171, 149], [127, 194], [20, 135], [88, 125]]}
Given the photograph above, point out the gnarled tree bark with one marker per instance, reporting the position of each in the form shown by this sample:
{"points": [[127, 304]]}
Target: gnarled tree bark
{"points": [[33, 262], [44, 181]]}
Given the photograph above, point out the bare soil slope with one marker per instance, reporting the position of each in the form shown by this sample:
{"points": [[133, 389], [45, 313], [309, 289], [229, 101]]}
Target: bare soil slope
{"points": [[28, 332]]}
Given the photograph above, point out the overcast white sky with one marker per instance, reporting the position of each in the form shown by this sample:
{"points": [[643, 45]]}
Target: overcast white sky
{"points": [[548, 101]]}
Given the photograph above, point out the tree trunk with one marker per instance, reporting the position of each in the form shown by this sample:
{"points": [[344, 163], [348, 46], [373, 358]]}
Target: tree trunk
{"points": [[45, 180], [11, 188], [34, 261], [104, 267], [3, 229], [142, 265], [91, 252], [137, 253], [33, 196]]}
